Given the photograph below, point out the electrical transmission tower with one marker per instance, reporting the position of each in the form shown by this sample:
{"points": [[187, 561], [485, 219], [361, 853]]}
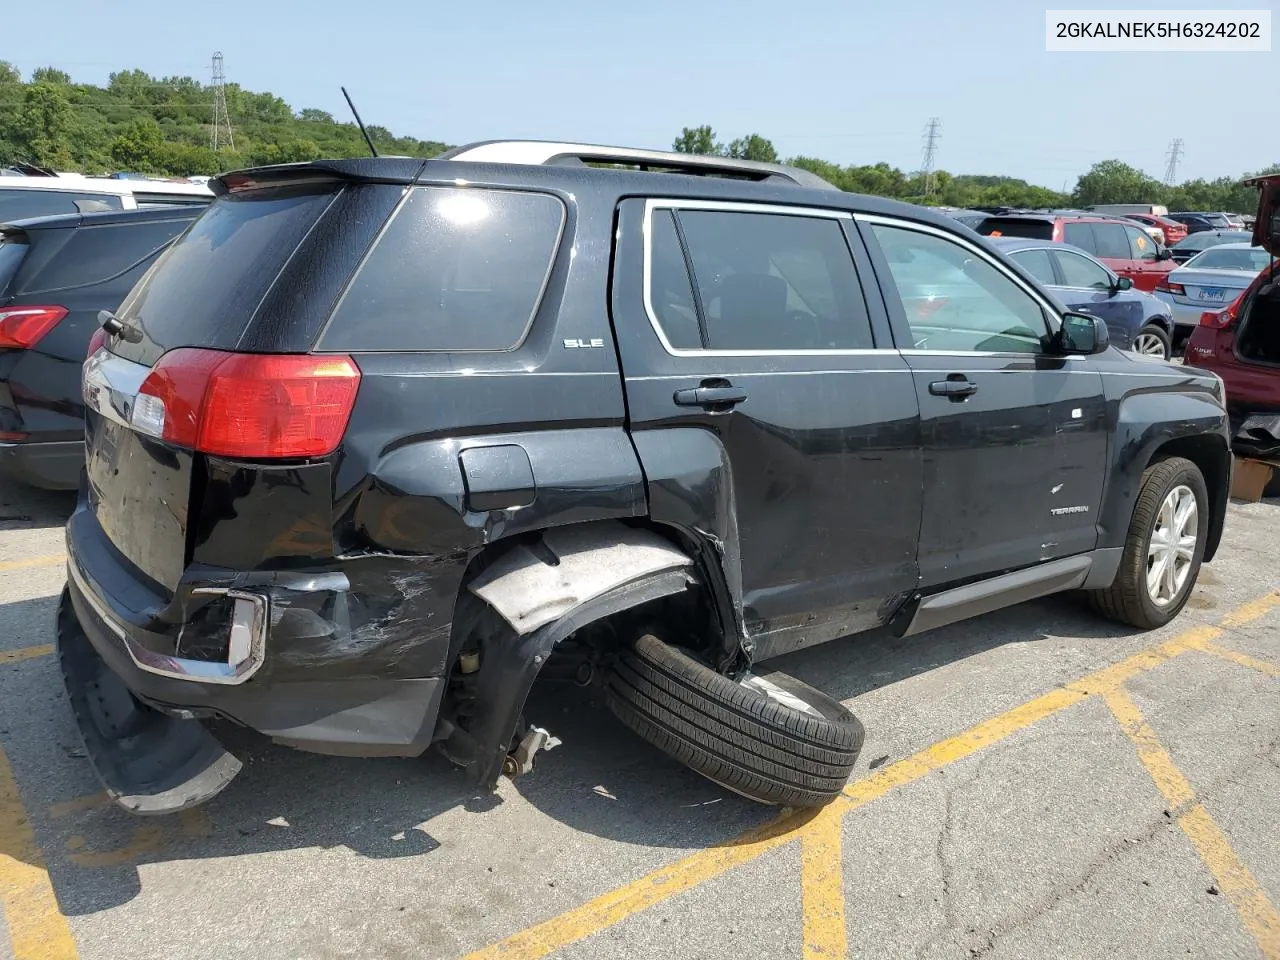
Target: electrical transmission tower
{"points": [[932, 134], [1174, 155], [221, 136]]}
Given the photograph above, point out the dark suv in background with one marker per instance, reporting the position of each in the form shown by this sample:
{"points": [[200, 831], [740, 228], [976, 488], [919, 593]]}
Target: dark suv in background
{"points": [[377, 441], [56, 273]]}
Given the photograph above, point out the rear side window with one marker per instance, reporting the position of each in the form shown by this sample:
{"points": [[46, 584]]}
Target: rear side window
{"points": [[1037, 263], [456, 269], [94, 254], [1030, 228], [1080, 235], [1111, 241], [764, 281], [20, 204], [204, 290]]}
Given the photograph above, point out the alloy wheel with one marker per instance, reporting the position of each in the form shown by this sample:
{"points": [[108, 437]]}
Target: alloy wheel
{"points": [[1149, 345], [1172, 546]]}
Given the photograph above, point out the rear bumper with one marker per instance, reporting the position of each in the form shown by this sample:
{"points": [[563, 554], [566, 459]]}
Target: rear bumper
{"points": [[1185, 314], [51, 466]]}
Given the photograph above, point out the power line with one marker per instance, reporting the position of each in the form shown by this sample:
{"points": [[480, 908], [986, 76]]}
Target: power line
{"points": [[1174, 155], [222, 135], [932, 134]]}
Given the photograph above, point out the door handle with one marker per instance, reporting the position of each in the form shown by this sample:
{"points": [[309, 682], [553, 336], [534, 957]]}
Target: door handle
{"points": [[957, 389], [710, 396]]}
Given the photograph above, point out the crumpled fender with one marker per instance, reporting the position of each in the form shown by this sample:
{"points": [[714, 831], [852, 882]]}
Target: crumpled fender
{"points": [[570, 578]]}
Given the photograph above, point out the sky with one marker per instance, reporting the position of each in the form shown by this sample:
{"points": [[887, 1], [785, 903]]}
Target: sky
{"points": [[850, 81]]}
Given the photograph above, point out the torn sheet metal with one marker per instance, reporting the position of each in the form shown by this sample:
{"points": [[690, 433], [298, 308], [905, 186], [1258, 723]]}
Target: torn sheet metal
{"points": [[531, 586]]}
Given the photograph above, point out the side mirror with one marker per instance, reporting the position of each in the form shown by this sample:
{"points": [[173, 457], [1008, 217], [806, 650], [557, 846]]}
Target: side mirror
{"points": [[1123, 283], [1164, 253], [1081, 335]]}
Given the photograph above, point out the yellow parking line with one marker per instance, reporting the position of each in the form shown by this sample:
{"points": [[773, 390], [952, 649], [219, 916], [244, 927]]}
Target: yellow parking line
{"points": [[1233, 878], [37, 928], [1236, 657], [25, 653], [822, 885], [49, 560], [610, 908]]}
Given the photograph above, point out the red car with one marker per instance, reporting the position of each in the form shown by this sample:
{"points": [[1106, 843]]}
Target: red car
{"points": [[1121, 244], [1241, 344], [1172, 229]]}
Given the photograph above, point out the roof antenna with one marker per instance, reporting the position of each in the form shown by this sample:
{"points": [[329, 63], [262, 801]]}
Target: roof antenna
{"points": [[359, 122]]}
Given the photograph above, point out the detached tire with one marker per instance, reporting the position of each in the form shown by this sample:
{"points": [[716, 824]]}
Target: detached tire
{"points": [[771, 739], [1146, 594]]}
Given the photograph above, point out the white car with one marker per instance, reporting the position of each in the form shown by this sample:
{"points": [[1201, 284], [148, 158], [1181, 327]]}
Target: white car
{"points": [[1210, 280], [37, 196]]}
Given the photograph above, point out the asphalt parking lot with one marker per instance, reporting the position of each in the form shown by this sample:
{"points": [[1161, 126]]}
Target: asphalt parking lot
{"points": [[1035, 783]]}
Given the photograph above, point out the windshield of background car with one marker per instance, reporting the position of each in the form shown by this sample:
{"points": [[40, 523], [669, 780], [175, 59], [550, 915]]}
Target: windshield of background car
{"points": [[1251, 260]]}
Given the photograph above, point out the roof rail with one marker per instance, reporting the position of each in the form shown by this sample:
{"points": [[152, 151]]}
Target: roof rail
{"points": [[552, 153]]}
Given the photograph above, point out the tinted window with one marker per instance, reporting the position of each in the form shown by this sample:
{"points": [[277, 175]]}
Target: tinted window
{"points": [[203, 290], [955, 300], [1110, 241], [670, 292], [456, 269], [1078, 271], [97, 253], [20, 204], [1016, 227], [775, 282], [1080, 235], [1141, 246], [1036, 263], [11, 254]]}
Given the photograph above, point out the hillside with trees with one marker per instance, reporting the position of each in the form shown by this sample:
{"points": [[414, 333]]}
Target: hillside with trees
{"points": [[161, 126]]}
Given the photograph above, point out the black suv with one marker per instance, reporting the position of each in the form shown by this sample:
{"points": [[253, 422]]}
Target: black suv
{"points": [[56, 274], [378, 440]]}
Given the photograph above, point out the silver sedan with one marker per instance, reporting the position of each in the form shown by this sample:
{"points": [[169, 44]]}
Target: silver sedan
{"points": [[1210, 280]]}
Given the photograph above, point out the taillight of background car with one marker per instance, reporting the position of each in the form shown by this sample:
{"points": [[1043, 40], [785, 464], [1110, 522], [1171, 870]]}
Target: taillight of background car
{"points": [[21, 328], [250, 406], [1164, 286]]}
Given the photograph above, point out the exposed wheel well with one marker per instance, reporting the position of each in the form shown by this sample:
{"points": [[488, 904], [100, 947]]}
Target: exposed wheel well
{"points": [[1208, 452]]}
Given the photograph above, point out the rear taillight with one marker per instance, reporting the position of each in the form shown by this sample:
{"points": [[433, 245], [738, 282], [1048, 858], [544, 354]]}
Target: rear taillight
{"points": [[1220, 319], [252, 406], [22, 327], [1164, 286], [98, 338]]}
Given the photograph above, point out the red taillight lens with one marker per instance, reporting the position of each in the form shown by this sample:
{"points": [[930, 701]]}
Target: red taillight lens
{"points": [[22, 327], [1164, 286], [98, 338], [253, 406], [1218, 319]]}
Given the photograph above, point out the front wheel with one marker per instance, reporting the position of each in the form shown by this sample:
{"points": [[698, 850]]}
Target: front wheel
{"points": [[1163, 550], [1152, 341]]}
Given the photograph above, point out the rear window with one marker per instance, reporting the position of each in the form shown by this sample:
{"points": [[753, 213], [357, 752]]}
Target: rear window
{"points": [[1017, 227], [456, 269], [1252, 260], [12, 251], [21, 204], [204, 290], [94, 254]]}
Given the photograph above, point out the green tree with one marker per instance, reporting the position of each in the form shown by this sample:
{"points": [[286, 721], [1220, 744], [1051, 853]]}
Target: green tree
{"points": [[41, 132], [312, 115], [51, 75], [701, 140], [140, 147], [9, 73], [753, 147], [1112, 181]]}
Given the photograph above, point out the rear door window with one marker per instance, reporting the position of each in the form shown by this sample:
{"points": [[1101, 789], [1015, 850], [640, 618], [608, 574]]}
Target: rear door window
{"points": [[773, 282], [1080, 235], [204, 290], [456, 269], [21, 204], [1112, 242], [99, 253]]}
